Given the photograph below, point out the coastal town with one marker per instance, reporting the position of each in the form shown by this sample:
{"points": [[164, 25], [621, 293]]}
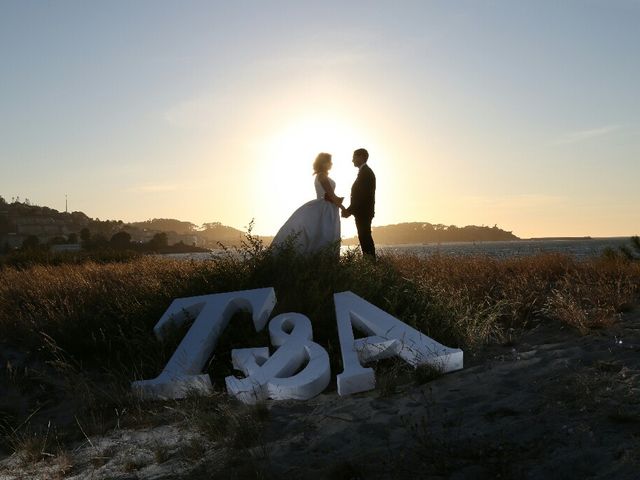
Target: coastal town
{"points": [[22, 222]]}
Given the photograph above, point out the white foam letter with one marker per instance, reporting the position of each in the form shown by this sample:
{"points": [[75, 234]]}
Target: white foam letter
{"points": [[273, 377], [388, 337], [212, 313]]}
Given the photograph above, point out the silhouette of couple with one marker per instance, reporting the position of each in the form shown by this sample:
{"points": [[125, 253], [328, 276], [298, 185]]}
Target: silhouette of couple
{"points": [[316, 224]]}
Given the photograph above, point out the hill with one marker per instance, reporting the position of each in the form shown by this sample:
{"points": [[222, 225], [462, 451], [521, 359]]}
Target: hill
{"points": [[208, 235], [424, 232], [21, 220]]}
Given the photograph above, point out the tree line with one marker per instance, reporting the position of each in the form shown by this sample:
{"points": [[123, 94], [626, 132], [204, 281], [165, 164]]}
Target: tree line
{"points": [[424, 232]]}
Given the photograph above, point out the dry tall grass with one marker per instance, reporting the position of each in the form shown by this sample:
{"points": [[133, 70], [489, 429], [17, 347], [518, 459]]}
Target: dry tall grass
{"points": [[485, 296], [102, 314], [90, 324]]}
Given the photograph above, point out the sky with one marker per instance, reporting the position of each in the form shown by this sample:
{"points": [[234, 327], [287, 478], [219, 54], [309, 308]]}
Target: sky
{"points": [[521, 114]]}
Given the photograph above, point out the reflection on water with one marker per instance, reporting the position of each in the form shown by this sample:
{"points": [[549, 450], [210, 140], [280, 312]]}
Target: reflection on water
{"points": [[580, 248]]}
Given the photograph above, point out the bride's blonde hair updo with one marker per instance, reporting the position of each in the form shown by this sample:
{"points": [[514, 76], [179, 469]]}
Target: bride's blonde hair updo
{"points": [[320, 165]]}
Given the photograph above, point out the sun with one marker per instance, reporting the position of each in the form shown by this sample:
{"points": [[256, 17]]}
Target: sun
{"points": [[286, 174]]}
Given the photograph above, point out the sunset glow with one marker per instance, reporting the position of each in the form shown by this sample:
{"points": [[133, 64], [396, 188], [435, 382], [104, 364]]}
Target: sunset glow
{"points": [[473, 112], [286, 174]]}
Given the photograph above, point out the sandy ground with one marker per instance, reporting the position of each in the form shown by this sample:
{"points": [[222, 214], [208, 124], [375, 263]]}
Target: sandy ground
{"points": [[553, 404]]}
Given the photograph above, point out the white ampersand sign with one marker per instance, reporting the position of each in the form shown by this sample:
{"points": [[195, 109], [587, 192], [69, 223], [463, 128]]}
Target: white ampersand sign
{"points": [[275, 376]]}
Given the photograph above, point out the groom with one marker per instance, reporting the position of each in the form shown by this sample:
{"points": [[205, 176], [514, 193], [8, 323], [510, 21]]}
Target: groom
{"points": [[363, 198]]}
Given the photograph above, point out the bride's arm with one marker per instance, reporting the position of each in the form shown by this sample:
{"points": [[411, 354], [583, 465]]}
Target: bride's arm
{"points": [[330, 194]]}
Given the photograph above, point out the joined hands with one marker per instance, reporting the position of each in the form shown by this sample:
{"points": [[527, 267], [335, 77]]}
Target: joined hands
{"points": [[344, 212]]}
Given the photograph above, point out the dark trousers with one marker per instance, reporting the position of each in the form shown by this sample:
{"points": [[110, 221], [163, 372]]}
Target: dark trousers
{"points": [[364, 236]]}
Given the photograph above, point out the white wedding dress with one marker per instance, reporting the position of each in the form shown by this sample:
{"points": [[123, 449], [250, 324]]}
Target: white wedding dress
{"points": [[313, 226]]}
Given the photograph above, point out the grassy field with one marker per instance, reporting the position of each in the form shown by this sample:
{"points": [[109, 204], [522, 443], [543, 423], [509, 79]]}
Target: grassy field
{"points": [[79, 333]]}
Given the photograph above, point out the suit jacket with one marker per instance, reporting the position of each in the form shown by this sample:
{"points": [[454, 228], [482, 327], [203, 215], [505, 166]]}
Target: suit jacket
{"points": [[363, 194]]}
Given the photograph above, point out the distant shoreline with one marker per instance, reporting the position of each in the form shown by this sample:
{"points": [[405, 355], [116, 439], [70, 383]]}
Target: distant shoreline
{"points": [[473, 242], [562, 238]]}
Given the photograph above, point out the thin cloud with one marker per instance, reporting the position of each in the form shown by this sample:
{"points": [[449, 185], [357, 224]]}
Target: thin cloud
{"points": [[584, 135]]}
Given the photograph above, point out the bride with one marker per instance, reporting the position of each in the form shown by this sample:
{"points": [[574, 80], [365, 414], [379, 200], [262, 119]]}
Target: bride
{"points": [[316, 224]]}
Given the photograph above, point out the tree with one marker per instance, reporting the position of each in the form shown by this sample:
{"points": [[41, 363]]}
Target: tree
{"points": [[31, 243], [99, 241], [120, 240], [73, 238], [4, 222], [166, 225], [159, 240], [85, 236], [57, 241], [211, 225]]}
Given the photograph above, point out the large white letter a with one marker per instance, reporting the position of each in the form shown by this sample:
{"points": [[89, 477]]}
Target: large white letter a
{"points": [[388, 337]]}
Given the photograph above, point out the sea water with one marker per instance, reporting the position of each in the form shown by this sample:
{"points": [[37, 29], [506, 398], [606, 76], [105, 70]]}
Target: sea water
{"points": [[581, 248]]}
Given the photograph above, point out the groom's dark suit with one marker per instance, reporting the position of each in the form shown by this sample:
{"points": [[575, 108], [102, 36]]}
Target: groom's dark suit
{"points": [[363, 199]]}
